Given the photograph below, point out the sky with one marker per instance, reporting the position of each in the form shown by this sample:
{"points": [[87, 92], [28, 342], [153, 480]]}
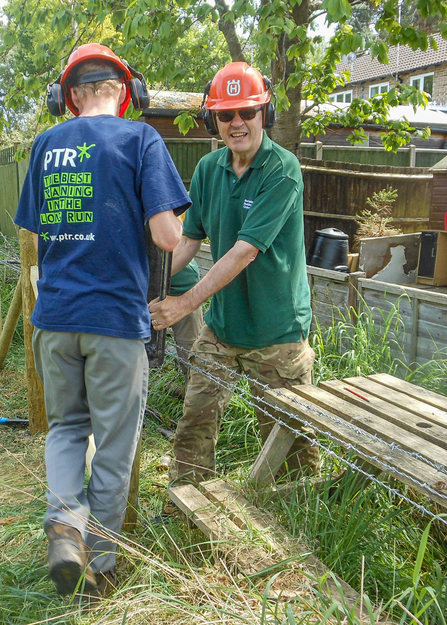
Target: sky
{"points": [[322, 28]]}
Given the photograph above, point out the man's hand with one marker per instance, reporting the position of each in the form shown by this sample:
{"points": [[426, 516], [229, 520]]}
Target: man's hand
{"points": [[168, 311]]}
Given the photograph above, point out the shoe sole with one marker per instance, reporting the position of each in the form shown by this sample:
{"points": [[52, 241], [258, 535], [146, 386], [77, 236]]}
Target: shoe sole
{"points": [[69, 577]]}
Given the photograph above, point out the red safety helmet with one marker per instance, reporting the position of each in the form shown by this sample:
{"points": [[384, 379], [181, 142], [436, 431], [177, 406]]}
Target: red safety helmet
{"points": [[236, 86], [94, 51]]}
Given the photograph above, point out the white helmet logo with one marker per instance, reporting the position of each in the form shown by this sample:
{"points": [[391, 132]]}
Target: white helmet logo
{"points": [[233, 87]]}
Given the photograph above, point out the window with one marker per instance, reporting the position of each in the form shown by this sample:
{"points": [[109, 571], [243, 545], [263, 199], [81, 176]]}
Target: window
{"points": [[423, 82], [341, 96], [378, 89]]}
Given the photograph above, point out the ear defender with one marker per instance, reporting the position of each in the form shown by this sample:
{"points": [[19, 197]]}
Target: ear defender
{"points": [[56, 98], [208, 118], [269, 108], [138, 90]]}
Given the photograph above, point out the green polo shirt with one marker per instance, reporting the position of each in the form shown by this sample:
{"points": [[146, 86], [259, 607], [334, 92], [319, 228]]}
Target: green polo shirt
{"points": [[185, 279], [269, 301]]}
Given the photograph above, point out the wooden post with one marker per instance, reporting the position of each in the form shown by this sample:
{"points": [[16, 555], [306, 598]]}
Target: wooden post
{"points": [[319, 150], [412, 150], [11, 322], [36, 403], [131, 517]]}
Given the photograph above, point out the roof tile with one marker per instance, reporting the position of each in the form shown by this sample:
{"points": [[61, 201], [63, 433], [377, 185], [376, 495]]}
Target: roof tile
{"points": [[402, 59]]}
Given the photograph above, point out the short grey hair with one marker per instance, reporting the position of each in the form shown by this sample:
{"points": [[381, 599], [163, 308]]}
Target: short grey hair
{"points": [[111, 86]]}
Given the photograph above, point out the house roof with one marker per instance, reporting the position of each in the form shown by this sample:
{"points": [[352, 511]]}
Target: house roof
{"points": [[178, 100], [402, 59]]}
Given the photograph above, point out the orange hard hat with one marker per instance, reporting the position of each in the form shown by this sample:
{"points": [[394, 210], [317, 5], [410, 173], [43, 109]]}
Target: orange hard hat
{"points": [[236, 86], [94, 51]]}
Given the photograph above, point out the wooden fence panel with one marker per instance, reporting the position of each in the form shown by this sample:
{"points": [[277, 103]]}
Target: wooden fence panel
{"points": [[9, 197], [423, 315], [417, 329], [335, 192]]}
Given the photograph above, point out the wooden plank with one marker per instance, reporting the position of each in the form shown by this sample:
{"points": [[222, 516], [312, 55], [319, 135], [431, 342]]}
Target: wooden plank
{"points": [[429, 397], [433, 313], [374, 423], [423, 294], [336, 276], [394, 393], [247, 516], [273, 454], [434, 332], [214, 524], [435, 434], [401, 466], [11, 320], [251, 559]]}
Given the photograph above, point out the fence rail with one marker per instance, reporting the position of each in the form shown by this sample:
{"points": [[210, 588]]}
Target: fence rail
{"points": [[421, 314], [404, 157]]}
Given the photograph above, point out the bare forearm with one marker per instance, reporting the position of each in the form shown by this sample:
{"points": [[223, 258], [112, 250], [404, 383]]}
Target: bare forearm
{"points": [[220, 274], [184, 253], [166, 230]]}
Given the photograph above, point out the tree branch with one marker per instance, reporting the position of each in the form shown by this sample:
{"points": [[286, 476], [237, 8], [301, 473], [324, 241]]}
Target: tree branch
{"points": [[228, 30]]}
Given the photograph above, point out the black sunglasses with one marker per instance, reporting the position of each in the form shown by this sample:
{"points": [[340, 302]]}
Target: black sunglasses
{"points": [[244, 114]]}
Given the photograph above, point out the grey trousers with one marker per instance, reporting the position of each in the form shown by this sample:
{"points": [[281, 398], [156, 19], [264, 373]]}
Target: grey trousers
{"points": [[93, 384]]}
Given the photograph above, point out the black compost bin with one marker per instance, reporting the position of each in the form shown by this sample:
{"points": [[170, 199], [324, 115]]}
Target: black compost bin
{"points": [[329, 250]]}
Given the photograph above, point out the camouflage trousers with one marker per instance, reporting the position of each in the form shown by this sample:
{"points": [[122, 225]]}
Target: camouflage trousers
{"points": [[278, 366]]}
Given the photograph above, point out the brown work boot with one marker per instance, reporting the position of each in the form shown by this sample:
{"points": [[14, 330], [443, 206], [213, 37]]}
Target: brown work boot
{"points": [[67, 560]]}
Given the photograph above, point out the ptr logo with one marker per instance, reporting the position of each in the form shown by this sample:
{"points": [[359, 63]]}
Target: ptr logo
{"points": [[233, 87]]}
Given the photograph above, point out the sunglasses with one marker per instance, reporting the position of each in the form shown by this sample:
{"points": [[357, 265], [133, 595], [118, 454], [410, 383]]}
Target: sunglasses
{"points": [[244, 114]]}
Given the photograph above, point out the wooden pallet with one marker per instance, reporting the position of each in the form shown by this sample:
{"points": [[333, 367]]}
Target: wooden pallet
{"points": [[407, 421]]}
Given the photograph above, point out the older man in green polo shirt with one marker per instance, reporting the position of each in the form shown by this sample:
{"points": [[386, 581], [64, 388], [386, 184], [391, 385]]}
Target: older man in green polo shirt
{"points": [[248, 199]]}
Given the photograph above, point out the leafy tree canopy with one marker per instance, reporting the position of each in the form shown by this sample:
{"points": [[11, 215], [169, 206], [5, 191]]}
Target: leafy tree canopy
{"points": [[162, 37]]}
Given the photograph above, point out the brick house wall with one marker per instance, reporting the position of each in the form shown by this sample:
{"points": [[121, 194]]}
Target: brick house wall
{"points": [[439, 96]]}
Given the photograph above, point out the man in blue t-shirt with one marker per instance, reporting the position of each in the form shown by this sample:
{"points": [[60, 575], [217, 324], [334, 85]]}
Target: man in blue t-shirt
{"points": [[93, 183]]}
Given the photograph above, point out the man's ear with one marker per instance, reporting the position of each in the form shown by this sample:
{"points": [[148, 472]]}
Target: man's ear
{"points": [[123, 93], [75, 99]]}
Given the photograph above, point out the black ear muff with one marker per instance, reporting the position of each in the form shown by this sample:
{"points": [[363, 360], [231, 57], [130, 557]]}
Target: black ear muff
{"points": [[209, 119], [56, 98], [269, 108], [139, 93]]}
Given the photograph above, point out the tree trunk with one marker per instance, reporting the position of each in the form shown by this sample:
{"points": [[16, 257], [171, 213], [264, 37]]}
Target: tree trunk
{"points": [[287, 130]]}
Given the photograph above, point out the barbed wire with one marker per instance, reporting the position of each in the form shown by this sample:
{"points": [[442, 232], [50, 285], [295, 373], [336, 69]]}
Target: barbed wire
{"points": [[294, 399], [232, 385]]}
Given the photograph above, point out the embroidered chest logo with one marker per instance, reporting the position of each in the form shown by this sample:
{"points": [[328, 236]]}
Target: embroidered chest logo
{"points": [[233, 87], [247, 204]]}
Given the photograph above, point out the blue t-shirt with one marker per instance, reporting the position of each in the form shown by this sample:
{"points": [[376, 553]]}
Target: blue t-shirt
{"points": [[92, 184]]}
